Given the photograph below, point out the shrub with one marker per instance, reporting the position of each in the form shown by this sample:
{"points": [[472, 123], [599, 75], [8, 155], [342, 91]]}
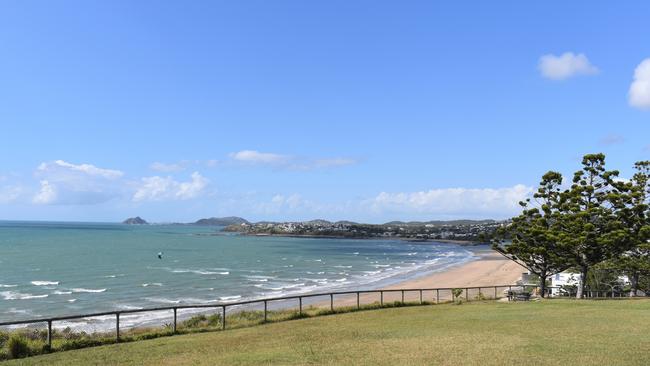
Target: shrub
{"points": [[17, 347], [4, 337], [83, 343], [195, 321], [457, 292], [214, 320]]}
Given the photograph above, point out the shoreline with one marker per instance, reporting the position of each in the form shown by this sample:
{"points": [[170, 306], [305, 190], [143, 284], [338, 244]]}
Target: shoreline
{"points": [[465, 243], [489, 269]]}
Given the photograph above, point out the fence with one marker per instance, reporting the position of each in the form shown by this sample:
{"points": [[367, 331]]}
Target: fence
{"points": [[479, 291]]}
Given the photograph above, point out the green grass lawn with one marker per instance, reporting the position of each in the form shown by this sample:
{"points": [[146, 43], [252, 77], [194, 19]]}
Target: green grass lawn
{"points": [[557, 332]]}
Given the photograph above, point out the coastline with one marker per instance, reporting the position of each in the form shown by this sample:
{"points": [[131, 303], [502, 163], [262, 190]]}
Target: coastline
{"points": [[488, 269], [467, 243]]}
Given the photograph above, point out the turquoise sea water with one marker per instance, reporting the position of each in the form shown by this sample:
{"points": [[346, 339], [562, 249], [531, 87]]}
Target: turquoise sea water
{"points": [[51, 269]]}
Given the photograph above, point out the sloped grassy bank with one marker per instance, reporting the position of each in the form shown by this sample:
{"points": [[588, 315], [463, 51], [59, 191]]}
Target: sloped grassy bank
{"points": [[28, 342], [554, 332]]}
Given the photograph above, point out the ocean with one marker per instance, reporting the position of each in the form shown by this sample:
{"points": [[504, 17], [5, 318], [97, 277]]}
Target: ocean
{"points": [[54, 269]]}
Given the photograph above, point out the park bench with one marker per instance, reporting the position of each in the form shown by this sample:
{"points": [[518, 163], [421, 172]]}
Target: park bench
{"points": [[518, 296]]}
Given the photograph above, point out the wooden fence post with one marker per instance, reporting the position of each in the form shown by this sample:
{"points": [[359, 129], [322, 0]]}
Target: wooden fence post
{"points": [[382, 298], [264, 311], [223, 317], [49, 334], [358, 302], [420, 297], [117, 327], [332, 302], [174, 331], [300, 305]]}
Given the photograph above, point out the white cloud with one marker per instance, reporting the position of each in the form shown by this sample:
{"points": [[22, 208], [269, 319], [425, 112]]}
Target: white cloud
{"points": [[212, 163], [500, 202], [46, 195], [9, 193], [565, 66], [289, 162], [193, 188], [256, 157], [333, 162], [639, 94], [612, 139], [88, 169], [158, 188], [168, 168], [292, 202], [62, 182]]}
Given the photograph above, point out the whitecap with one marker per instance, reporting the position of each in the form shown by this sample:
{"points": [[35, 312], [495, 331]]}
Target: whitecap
{"points": [[195, 301], [62, 292], [17, 311], [3, 286], [11, 295], [129, 307], [45, 283], [152, 284], [199, 272], [72, 300], [163, 300], [229, 298], [88, 290]]}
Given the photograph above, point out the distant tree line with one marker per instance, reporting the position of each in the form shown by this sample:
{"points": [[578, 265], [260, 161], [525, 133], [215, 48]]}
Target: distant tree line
{"points": [[600, 222]]}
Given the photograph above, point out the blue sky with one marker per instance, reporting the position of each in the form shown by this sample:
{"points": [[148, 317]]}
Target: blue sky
{"points": [[364, 110]]}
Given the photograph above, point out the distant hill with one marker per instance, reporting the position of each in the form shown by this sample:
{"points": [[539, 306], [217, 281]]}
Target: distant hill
{"points": [[135, 221], [345, 222], [221, 221], [319, 222], [441, 222]]}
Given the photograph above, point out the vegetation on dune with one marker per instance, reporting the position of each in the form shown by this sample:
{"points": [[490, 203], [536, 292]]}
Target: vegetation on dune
{"points": [[601, 222], [548, 332]]}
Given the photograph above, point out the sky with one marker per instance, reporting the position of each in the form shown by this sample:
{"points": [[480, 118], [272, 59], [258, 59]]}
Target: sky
{"points": [[291, 110]]}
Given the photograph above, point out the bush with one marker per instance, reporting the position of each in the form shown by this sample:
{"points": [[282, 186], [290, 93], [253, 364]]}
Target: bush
{"points": [[214, 320], [195, 321], [456, 295], [4, 337], [17, 347], [83, 343]]}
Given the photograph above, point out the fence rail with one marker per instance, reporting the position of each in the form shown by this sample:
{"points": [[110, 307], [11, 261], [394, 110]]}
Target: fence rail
{"points": [[224, 305]]}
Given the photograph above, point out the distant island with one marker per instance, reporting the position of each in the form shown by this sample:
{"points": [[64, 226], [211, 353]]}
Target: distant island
{"points": [[135, 221], [211, 221], [466, 231]]}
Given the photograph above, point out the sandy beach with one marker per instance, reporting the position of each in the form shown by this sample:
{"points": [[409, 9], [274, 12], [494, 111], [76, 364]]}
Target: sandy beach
{"points": [[488, 270]]}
